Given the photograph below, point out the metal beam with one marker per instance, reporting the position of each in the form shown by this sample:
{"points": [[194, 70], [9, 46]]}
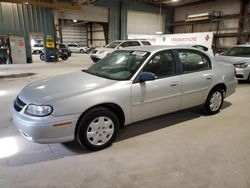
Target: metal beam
{"points": [[83, 2], [170, 3], [192, 3], [58, 6], [225, 17]]}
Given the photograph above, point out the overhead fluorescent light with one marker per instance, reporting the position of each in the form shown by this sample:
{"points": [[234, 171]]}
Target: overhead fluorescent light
{"points": [[158, 32], [199, 17]]}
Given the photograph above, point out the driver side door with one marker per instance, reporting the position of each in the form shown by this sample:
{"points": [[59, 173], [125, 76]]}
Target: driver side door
{"points": [[159, 96]]}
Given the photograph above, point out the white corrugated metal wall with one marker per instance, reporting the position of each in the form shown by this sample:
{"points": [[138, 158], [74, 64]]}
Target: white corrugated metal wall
{"points": [[144, 23]]}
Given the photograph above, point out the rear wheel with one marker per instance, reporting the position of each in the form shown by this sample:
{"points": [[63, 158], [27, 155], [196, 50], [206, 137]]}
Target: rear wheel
{"points": [[81, 51], [214, 101], [97, 129]]}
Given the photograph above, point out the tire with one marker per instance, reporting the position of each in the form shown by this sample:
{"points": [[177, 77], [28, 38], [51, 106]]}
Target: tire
{"points": [[81, 51], [42, 57], [92, 133], [214, 101], [64, 57]]}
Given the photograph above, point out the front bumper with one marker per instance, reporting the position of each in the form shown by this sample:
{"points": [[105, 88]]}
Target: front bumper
{"points": [[47, 129], [94, 58], [242, 74]]}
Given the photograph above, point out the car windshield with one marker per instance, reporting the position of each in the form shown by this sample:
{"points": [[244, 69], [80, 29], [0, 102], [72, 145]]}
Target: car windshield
{"points": [[119, 65], [113, 45], [238, 52]]}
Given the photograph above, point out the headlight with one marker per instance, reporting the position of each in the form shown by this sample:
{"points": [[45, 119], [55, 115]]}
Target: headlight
{"points": [[39, 110], [242, 65]]}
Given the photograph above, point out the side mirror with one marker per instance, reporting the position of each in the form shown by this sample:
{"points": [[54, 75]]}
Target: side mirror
{"points": [[146, 76]]}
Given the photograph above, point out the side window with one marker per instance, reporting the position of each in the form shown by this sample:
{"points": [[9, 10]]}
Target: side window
{"points": [[162, 64], [193, 61], [134, 43], [125, 44], [145, 43]]}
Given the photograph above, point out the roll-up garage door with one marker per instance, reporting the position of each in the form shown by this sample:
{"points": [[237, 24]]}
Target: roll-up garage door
{"points": [[144, 23], [74, 34]]}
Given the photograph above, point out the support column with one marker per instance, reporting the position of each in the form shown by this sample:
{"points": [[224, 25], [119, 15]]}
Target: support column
{"points": [[243, 11]]}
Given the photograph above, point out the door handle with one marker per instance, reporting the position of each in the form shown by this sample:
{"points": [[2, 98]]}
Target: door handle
{"points": [[209, 78], [174, 83]]}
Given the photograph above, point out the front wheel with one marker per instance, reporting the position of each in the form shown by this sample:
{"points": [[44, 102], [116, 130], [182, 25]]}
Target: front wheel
{"points": [[64, 57], [97, 129], [42, 57], [81, 51], [214, 101]]}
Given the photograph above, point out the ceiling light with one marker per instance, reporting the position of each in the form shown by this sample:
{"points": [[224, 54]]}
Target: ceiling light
{"points": [[158, 32], [25, 3], [175, 0], [74, 21]]}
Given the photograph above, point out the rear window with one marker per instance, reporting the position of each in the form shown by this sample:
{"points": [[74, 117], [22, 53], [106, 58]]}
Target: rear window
{"points": [[72, 45], [38, 45], [145, 43]]}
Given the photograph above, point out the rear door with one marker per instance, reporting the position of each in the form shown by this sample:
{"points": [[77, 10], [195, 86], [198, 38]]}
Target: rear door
{"points": [[160, 96], [196, 77]]}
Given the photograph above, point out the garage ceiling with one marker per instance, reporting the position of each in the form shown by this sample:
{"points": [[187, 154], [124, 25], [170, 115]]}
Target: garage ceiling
{"points": [[75, 4], [152, 2], [173, 3]]}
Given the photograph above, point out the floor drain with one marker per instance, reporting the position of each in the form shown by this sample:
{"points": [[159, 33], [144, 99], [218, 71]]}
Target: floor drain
{"points": [[21, 75]]}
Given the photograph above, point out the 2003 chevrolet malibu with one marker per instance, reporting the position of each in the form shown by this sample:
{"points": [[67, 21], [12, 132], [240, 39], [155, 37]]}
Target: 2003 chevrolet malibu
{"points": [[128, 85]]}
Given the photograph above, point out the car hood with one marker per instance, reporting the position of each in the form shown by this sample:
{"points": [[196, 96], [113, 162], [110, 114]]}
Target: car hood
{"points": [[107, 50], [63, 86], [232, 59]]}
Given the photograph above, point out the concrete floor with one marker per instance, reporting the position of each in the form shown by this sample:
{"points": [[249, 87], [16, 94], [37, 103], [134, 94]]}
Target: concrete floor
{"points": [[181, 150]]}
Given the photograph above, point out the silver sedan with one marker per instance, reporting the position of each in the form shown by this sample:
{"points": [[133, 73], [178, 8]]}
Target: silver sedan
{"points": [[128, 85], [239, 56]]}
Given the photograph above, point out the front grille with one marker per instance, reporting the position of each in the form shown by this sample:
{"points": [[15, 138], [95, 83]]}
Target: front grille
{"points": [[239, 76], [18, 104]]}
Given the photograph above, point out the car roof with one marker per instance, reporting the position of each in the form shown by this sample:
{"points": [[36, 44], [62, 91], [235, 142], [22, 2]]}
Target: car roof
{"points": [[129, 40], [157, 48]]}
